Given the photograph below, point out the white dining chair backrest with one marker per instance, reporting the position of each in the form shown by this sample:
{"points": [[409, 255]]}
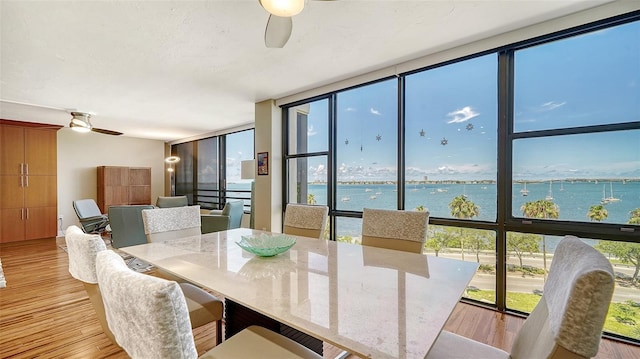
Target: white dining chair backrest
{"points": [[574, 304], [393, 229], [305, 220], [161, 224], [147, 315]]}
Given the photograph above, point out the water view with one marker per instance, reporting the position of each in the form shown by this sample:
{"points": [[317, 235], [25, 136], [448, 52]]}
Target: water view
{"points": [[573, 198]]}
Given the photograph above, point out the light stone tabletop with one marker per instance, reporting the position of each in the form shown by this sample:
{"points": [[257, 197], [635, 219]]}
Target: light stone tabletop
{"points": [[369, 301]]}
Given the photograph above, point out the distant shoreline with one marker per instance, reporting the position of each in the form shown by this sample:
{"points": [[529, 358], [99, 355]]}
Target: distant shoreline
{"points": [[441, 182]]}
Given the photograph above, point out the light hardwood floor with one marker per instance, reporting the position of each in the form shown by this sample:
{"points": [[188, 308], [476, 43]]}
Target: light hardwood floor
{"points": [[45, 313]]}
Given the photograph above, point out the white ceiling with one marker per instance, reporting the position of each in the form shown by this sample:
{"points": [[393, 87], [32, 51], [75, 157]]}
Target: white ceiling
{"points": [[168, 70]]}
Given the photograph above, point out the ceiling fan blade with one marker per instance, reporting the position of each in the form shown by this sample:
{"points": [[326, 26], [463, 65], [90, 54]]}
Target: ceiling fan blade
{"points": [[278, 31], [106, 132]]}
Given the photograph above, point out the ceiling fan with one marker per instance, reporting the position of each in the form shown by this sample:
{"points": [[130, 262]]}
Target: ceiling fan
{"points": [[81, 123], [280, 24]]}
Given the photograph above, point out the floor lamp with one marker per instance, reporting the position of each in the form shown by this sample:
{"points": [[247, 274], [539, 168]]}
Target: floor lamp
{"points": [[248, 171]]}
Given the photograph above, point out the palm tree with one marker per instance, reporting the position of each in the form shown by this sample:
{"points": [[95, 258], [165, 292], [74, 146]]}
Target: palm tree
{"points": [[311, 198], [597, 213], [542, 208], [634, 216], [461, 207]]}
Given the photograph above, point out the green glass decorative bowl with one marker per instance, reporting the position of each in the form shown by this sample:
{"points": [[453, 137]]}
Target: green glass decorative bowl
{"points": [[265, 245]]}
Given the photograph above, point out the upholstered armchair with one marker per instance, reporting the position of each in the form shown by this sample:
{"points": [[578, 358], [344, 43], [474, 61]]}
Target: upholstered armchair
{"points": [[90, 217], [127, 228], [229, 218], [174, 201]]}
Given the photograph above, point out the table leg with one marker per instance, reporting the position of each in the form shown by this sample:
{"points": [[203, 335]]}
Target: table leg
{"points": [[239, 317]]}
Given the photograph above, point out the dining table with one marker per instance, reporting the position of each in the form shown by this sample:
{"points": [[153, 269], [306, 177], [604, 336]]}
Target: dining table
{"points": [[371, 302]]}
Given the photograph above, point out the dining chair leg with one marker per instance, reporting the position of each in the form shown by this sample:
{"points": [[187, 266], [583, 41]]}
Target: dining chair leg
{"points": [[219, 332]]}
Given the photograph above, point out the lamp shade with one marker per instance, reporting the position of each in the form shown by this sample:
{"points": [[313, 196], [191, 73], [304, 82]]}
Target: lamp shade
{"points": [[247, 169], [283, 8]]}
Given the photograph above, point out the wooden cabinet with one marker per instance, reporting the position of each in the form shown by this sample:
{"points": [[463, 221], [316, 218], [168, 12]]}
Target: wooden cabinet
{"points": [[123, 185], [28, 181], [139, 185]]}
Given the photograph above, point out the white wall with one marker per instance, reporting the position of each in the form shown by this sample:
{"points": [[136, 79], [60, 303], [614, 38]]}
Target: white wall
{"points": [[79, 155], [268, 189]]}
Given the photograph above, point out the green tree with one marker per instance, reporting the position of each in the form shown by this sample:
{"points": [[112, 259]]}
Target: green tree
{"points": [[478, 240], [462, 207], [420, 208], [597, 213], [542, 208], [634, 216], [626, 252], [521, 243], [347, 239], [439, 238]]}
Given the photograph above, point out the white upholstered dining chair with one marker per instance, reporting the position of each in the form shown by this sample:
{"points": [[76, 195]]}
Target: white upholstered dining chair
{"points": [[161, 224], [393, 229], [567, 321], [305, 220], [203, 308], [165, 224], [149, 319], [82, 249]]}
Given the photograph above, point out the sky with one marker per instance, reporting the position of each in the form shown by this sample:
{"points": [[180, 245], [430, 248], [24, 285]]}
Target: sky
{"points": [[451, 116], [239, 148]]}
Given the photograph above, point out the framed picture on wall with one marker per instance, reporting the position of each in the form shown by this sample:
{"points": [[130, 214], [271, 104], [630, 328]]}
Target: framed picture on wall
{"points": [[263, 163]]}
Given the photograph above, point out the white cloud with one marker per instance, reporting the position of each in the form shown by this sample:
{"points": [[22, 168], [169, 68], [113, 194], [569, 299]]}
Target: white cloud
{"points": [[310, 131], [375, 112], [551, 105], [350, 109], [319, 170], [462, 115]]}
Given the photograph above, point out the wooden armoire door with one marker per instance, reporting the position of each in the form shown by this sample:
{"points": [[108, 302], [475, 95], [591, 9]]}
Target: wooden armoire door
{"points": [[28, 167]]}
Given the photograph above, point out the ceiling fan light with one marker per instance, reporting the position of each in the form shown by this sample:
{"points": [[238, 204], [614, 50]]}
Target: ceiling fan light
{"points": [[80, 122], [283, 8]]}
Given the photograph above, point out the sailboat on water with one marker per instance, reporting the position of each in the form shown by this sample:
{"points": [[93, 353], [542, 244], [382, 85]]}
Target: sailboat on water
{"points": [[549, 196], [524, 191], [609, 199]]}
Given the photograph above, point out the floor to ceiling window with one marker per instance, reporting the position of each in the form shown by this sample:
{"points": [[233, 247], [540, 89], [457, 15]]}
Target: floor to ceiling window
{"points": [[307, 163], [509, 151], [366, 153], [238, 148], [575, 148], [208, 172]]}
